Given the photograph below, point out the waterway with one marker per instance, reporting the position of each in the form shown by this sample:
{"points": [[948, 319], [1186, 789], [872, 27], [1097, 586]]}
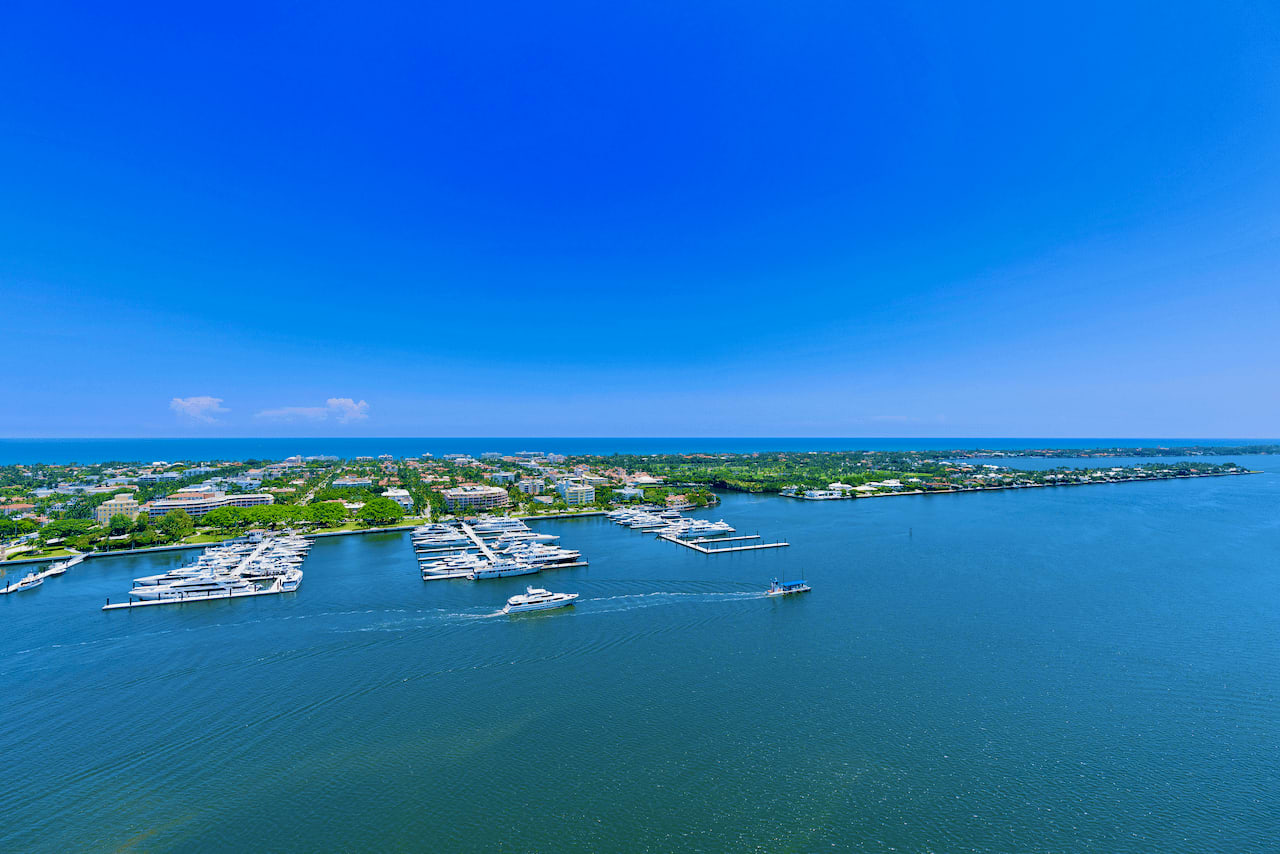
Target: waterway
{"points": [[1041, 670]]}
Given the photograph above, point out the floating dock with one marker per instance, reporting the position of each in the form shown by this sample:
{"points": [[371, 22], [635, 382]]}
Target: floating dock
{"points": [[193, 597], [706, 551], [475, 538], [724, 539], [55, 569]]}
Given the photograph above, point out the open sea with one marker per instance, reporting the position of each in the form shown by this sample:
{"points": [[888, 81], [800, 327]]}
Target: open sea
{"points": [[64, 451], [1079, 669]]}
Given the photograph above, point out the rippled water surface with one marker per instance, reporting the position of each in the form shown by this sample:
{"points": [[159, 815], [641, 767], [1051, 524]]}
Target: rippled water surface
{"points": [[1072, 669]]}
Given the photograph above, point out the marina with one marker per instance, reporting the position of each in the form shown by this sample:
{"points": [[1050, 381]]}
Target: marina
{"points": [[696, 534], [496, 547], [261, 566], [702, 548]]}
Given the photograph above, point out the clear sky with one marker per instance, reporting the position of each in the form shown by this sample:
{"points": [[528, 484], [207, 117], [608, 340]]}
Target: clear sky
{"points": [[681, 219]]}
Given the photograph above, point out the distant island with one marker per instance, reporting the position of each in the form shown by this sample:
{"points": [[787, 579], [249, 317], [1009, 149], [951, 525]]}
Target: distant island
{"points": [[852, 474], [50, 511]]}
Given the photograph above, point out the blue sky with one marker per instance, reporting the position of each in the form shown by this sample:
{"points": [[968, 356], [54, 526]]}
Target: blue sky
{"points": [[581, 219]]}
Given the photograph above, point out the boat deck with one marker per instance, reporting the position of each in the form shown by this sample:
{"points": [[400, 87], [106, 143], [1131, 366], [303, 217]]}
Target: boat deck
{"points": [[193, 597]]}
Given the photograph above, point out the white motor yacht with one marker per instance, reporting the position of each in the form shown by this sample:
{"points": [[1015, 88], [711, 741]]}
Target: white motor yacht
{"points": [[199, 587], [537, 599], [290, 580], [501, 569], [30, 581]]}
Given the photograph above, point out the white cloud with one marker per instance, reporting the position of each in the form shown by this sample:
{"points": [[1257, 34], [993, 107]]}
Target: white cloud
{"points": [[344, 410], [201, 409], [347, 409]]}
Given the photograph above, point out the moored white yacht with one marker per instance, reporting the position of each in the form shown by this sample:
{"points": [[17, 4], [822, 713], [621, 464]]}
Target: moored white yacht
{"points": [[198, 587], [501, 569], [30, 581]]}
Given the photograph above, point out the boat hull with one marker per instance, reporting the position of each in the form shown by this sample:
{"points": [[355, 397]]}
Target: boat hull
{"points": [[540, 606]]}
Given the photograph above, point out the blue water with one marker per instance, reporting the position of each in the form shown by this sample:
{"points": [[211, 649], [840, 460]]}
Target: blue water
{"points": [[148, 450], [1085, 669]]}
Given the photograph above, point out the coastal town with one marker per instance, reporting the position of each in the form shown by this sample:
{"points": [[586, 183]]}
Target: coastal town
{"points": [[59, 511]]}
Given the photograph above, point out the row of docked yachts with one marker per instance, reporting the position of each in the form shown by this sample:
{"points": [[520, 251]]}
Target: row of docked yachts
{"points": [[667, 523], [491, 548], [270, 565]]}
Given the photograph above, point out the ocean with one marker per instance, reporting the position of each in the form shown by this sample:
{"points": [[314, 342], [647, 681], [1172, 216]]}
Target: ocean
{"points": [[148, 450], [1085, 669]]}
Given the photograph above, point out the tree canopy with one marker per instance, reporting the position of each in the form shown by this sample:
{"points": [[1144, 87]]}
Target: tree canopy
{"points": [[380, 511]]}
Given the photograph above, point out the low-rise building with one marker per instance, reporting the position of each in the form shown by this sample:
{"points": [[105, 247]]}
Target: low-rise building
{"points": [[116, 505], [576, 493], [476, 496], [196, 504], [353, 481], [401, 497], [531, 485], [502, 476]]}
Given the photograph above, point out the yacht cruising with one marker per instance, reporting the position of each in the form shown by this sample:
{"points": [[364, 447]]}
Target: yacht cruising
{"points": [[537, 599], [786, 588]]}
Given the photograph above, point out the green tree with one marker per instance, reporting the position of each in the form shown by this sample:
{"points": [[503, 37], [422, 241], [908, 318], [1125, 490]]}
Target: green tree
{"points": [[64, 529], [176, 524], [16, 527], [142, 523], [225, 517], [327, 514], [119, 524], [380, 511]]}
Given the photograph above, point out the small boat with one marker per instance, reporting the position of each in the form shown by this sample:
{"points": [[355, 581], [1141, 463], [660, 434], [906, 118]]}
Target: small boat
{"points": [[30, 581], [786, 588], [537, 599], [290, 580]]}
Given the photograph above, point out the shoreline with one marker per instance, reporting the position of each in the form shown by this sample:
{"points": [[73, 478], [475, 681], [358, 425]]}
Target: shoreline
{"points": [[394, 528], [1009, 486]]}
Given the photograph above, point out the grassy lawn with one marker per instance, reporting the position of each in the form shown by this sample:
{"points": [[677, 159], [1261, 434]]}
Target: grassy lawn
{"points": [[51, 553], [349, 526], [196, 539]]}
